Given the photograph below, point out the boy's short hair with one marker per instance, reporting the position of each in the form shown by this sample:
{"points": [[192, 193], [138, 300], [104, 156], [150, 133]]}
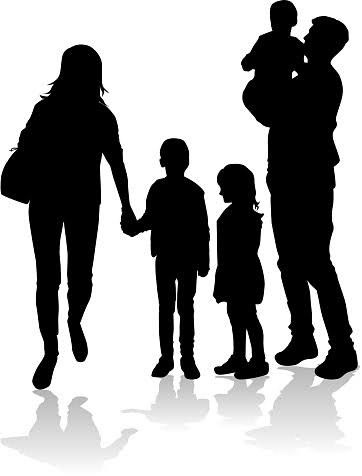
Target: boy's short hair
{"points": [[284, 10], [335, 34], [175, 150]]}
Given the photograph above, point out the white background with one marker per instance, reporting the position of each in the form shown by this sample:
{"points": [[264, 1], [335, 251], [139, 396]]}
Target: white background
{"points": [[172, 69]]}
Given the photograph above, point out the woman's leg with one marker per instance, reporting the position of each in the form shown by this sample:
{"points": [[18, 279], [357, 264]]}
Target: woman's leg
{"points": [[81, 227], [46, 230]]}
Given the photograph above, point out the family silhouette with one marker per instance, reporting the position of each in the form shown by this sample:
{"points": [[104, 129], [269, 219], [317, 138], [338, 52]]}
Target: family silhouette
{"points": [[56, 168]]}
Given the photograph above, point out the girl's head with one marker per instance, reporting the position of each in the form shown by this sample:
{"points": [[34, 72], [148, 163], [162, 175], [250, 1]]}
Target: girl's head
{"points": [[237, 185], [80, 74]]}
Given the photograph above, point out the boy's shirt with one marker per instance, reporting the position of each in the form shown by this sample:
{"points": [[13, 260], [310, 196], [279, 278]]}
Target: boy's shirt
{"points": [[177, 217]]}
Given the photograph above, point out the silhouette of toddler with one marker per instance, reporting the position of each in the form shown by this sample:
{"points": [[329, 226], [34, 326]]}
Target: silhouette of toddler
{"points": [[274, 57]]}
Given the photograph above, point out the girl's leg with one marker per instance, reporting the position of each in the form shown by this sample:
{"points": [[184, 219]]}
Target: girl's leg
{"points": [[257, 366], [255, 332], [237, 321], [238, 328]]}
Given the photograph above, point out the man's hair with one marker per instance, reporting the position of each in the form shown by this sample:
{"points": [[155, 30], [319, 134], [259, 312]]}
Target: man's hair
{"points": [[175, 150], [284, 10], [335, 33]]}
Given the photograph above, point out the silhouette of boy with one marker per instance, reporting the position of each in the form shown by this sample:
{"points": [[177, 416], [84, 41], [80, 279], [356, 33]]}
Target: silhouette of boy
{"points": [[274, 57], [177, 217], [301, 160], [239, 279]]}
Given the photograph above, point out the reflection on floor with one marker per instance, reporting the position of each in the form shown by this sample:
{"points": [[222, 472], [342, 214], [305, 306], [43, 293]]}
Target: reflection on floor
{"points": [[303, 416], [78, 447], [175, 409]]}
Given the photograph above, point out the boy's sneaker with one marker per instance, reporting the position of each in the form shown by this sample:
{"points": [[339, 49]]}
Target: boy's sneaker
{"points": [[337, 363], [44, 373], [163, 367], [229, 367], [189, 368], [252, 370], [297, 350]]}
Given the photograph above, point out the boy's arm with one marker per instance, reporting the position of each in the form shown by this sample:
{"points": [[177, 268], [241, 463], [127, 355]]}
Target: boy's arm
{"points": [[204, 240]]}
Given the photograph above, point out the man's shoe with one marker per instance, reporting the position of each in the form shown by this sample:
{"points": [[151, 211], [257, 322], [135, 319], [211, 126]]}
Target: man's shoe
{"points": [[79, 343], [44, 373], [337, 363], [297, 350], [189, 368], [253, 369], [229, 367], [163, 367]]}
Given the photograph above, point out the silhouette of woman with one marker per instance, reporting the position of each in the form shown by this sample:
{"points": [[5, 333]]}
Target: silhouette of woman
{"points": [[64, 139]]}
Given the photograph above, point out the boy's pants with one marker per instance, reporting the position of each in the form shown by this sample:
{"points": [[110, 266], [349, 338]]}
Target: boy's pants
{"points": [[167, 273]]}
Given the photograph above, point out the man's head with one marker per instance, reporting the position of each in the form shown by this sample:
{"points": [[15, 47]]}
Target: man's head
{"points": [[326, 38], [174, 157], [283, 15]]}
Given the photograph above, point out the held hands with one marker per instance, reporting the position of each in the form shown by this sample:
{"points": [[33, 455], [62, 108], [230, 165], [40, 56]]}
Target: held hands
{"points": [[203, 270], [129, 222]]}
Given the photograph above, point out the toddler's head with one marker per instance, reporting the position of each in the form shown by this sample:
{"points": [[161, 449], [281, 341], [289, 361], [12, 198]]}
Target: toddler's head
{"points": [[283, 15]]}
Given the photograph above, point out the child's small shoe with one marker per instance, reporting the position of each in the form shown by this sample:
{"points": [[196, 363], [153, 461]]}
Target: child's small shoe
{"points": [[229, 367], [252, 370], [189, 368]]}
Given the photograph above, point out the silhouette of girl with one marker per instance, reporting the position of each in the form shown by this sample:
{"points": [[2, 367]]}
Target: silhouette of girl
{"points": [[64, 139], [239, 279]]}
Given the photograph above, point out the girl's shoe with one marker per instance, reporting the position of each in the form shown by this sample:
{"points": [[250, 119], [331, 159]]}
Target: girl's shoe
{"points": [[252, 370], [230, 366]]}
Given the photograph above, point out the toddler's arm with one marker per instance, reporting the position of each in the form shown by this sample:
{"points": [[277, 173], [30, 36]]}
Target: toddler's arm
{"points": [[249, 61]]}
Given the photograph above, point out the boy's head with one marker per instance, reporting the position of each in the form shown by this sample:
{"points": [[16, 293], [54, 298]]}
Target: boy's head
{"points": [[325, 39], [174, 157], [237, 184], [283, 15]]}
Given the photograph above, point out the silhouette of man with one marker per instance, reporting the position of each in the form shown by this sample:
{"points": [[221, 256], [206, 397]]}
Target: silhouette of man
{"points": [[302, 156], [177, 217]]}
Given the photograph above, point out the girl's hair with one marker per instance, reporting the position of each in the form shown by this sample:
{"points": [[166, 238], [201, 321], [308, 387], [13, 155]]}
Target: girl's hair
{"points": [[239, 178], [81, 67]]}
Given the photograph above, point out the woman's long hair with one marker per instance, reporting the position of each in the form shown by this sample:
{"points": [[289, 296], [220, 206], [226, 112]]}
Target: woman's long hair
{"points": [[80, 75]]}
